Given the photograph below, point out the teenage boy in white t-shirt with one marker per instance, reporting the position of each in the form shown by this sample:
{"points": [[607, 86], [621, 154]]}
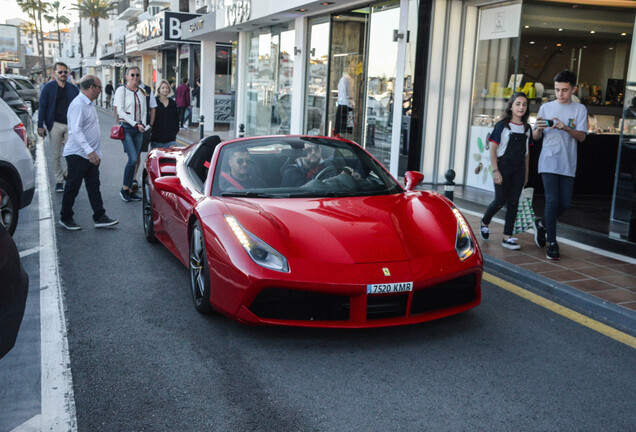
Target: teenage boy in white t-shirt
{"points": [[557, 162]]}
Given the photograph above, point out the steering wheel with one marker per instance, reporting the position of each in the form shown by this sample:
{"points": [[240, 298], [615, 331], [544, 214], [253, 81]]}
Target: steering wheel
{"points": [[323, 173]]}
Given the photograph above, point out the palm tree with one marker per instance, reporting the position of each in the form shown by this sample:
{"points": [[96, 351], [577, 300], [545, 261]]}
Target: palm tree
{"points": [[77, 7], [58, 18], [95, 10], [34, 9]]}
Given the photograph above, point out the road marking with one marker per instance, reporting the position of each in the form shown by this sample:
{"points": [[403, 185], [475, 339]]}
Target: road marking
{"points": [[27, 252], [58, 400], [563, 311], [34, 424]]}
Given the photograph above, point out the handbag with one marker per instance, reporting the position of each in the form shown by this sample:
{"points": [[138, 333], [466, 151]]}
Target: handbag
{"points": [[117, 132], [525, 213]]}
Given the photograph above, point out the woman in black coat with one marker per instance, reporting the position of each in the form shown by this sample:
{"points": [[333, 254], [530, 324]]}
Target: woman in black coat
{"points": [[166, 127]]}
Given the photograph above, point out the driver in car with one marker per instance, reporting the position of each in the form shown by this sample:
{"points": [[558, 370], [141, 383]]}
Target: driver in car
{"points": [[306, 167], [239, 176]]}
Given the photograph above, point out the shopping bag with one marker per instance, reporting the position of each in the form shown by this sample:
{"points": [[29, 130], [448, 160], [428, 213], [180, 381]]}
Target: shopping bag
{"points": [[117, 132], [525, 213]]}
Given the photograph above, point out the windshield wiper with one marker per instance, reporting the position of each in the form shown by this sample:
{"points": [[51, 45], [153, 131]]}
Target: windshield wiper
{"points": [[248, 194]]}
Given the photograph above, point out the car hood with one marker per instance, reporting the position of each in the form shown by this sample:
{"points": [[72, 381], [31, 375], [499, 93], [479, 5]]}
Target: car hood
{"points": [[351, 230]]}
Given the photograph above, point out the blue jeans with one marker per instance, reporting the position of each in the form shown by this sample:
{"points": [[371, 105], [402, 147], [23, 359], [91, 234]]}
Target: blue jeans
{"points": [[154, 145], [132, 145], [558, 197]]}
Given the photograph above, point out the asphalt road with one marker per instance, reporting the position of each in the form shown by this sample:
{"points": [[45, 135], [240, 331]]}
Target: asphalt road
{"points": [[143, 359]]}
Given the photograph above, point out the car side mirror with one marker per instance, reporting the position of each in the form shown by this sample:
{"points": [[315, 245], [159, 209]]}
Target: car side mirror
{"points": [[170, 184], [412, 179]]}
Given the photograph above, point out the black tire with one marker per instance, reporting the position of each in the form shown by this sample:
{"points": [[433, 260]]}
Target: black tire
{"points": [[199, 271], [147, 209], [9, 206]]}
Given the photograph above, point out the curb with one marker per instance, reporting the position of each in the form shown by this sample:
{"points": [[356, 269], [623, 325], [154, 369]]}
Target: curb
{"points": [[608, 313]]}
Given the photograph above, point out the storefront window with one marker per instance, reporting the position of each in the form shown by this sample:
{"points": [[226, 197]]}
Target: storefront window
{"points": [[317, 70], [223, 98], [494, 82], [269, 80], [381, 72]]}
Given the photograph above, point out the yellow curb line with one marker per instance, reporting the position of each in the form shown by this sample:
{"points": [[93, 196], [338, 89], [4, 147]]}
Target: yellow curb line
{"points": [[563, 311]]}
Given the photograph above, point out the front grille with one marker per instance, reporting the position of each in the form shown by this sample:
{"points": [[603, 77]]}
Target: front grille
{"points": [[387, 306], [286, 304], [451, 293]]}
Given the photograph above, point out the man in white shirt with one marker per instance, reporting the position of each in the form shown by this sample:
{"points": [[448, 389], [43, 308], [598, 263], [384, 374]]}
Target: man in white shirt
{"points": [[83, 155]]}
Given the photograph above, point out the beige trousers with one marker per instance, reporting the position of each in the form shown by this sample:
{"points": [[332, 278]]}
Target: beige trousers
{"points": [[57, 138]]}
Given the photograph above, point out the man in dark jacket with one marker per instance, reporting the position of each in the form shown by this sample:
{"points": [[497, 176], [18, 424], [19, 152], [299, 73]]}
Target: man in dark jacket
{"points": [[55, 97], [110, 91], [183, 99]]}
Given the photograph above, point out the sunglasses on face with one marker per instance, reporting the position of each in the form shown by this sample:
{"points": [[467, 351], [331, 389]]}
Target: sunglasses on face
{"points": [[242, 161], [312, 150], [135, 75], [62, 72]]}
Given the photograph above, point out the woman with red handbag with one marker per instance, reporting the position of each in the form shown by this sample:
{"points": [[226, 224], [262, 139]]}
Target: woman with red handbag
{"points": [[130, 106]]}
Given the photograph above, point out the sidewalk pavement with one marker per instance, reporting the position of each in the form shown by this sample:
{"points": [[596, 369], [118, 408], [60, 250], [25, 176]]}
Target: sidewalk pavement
{"points": [[597, 283]]}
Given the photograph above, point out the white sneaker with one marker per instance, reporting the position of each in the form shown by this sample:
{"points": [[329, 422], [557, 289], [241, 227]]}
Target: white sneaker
{"points": [[511, 243]]}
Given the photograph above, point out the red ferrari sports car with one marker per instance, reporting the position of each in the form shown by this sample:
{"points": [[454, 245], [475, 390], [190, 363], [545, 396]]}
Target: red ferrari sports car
{"points": [[308, 231]]}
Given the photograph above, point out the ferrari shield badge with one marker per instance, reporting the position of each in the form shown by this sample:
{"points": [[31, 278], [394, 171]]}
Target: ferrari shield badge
{"points": [[386, 271]]}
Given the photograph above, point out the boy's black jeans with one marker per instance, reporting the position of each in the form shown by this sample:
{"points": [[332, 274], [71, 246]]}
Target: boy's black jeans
{"points": [[507, 193]]}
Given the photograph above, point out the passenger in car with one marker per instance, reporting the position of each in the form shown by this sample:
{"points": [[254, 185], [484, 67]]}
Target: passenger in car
{"points": [[239, 175], [307, 167]]}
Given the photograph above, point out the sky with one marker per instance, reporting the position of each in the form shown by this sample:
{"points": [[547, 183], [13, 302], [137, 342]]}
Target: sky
{"points": [[10, 9]]}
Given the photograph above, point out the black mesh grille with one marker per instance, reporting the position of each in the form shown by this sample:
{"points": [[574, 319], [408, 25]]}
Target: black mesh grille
{"points": [[387, 306], [452, 293], [286, 304]]}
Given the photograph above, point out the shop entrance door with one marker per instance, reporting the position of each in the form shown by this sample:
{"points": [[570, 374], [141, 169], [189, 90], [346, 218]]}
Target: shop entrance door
{"points": [[380, 88], [345, 106]]}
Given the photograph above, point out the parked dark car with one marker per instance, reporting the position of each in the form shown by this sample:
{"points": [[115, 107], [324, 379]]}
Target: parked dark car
{"points": [[17, 104], [25, 89]]}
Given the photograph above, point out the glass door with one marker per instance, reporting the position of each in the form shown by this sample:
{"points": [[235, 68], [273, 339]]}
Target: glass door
{"points": [[346, 74], [317, 71], [381, 74]]}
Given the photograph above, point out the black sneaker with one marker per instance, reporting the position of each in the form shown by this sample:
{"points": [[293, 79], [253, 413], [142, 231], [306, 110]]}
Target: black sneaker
{"points": [[105, 221], [484, 232], [59, 187], [135, 185], [552, 252], [539, 232], [125, 195], [511, 243], [70, 224], [133, 196]]}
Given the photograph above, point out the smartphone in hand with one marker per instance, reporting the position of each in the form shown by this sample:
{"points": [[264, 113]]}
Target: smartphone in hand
{"points": [[548, 123]]}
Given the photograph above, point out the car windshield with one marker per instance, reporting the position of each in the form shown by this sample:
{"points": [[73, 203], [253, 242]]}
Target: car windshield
{"points": [[23, 83], [7, 92], [299, 167]]}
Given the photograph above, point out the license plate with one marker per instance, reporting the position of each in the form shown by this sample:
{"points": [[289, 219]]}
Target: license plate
{"points": [[389, 288]]}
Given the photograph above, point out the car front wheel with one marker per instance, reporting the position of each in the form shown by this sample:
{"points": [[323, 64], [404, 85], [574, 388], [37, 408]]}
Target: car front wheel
{"points": [[8, 206], [199, 271]]}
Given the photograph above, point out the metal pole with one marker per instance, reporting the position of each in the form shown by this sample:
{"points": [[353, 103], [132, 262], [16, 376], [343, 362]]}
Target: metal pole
{"points": [[449, 185], [241, 133], [201, 124]]}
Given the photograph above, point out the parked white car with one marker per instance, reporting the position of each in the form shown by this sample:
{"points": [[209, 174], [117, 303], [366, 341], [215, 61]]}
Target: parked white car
{"points": [[17, 171]]}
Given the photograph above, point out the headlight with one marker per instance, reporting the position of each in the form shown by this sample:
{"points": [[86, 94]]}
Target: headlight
{"points": [[257, 249], [464, 242]]}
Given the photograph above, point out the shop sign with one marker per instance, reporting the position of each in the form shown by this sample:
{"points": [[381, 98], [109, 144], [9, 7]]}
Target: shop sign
{"points": [[500, 22], [150, 29], [237, 11], [172, 23], [197, 25]]}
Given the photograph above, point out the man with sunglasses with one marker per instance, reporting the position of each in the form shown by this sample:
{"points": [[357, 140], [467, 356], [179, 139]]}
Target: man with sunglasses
{"points": [[55, 98], [239, 176]]}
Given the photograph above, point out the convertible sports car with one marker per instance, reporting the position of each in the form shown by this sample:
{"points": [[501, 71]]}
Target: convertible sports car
{"points": [[308, 231]]}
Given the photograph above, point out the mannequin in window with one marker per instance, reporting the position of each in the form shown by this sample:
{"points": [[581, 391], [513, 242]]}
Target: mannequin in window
{"points": [[345, 104]]}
